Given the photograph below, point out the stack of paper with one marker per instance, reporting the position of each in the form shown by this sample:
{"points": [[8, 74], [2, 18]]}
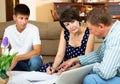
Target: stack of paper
{"points": [[32, 78]]}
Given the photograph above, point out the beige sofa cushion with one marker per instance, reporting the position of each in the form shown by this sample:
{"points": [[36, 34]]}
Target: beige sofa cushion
{"points": [[50, 35], [48, 30], [3, 25]]}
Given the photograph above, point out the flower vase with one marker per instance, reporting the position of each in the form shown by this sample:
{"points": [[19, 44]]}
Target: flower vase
{"points": [[4, 81], [5, 61], [3, 73]]}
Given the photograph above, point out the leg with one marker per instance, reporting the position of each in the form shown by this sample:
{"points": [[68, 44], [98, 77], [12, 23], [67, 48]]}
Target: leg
{"points": [[35, 63], [95, 79], [22, 66]]}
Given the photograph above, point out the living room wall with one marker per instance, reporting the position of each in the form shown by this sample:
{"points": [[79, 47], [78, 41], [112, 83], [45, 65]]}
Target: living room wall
{"points": [[2, 11], [40, 9], [43, 11]]}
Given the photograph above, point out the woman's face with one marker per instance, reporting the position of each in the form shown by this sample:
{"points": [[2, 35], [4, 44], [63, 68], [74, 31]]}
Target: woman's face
{"points": [[72, 26]]}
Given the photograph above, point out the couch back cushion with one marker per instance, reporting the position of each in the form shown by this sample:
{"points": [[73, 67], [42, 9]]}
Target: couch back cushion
{"points": [[3, 25], [50, 35]]}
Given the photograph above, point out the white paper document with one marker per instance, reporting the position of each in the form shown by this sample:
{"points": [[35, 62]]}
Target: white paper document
{"points": [[38, 76], [33, 77]]}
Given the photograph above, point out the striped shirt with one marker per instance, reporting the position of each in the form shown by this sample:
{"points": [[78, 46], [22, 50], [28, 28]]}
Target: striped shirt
{"points": [[107, 57]]}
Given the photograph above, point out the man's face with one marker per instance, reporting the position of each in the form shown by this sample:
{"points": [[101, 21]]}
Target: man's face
{"points": [[96, 30], [21, 21]]}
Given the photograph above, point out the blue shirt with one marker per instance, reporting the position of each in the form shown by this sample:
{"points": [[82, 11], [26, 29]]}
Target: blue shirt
{"points": [[107, 57]]}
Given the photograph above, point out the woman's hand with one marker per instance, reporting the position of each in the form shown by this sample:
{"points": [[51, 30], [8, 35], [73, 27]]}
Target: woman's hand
{"points": [[50, 70]]}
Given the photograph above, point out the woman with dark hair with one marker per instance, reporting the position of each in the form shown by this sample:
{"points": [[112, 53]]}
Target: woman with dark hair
{"points": [[73, 42]]}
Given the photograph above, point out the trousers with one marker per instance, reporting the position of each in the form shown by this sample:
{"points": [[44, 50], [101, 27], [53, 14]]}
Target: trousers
{"points": [[33, 64], [96, 79]]}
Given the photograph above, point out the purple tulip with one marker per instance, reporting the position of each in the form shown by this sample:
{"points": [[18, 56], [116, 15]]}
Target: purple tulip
{"points": [[5, 42]]}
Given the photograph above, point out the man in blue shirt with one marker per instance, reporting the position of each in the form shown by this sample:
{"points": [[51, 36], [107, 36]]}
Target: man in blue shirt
{"points": [[106, 69]]}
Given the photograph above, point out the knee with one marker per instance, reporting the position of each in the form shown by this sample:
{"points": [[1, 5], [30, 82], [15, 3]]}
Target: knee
{"points": [[35, 63], [90, 79], [36, 60]]}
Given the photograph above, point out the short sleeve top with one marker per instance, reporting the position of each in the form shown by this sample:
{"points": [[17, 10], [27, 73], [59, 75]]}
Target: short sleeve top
{"points": [[23, 41]]}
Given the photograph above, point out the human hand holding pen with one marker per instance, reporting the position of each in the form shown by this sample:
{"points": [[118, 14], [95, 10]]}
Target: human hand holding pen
{"points": [[50, 70]]}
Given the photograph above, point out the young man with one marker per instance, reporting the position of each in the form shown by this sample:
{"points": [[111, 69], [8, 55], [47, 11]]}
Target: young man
{"points": [[25, 39], [106, 69]]}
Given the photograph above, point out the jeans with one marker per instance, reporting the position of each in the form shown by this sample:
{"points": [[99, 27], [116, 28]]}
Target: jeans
{"points": [[95, 79], [33, 64]]}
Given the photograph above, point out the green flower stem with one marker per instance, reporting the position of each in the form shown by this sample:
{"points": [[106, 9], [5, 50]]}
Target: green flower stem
{"points": [[5, 62], [3, 74]]}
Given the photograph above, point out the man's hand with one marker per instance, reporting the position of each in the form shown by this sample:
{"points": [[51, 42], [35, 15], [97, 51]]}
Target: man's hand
{"points": [[14, 62], [67, 65], [64, 67], [75, 66]]}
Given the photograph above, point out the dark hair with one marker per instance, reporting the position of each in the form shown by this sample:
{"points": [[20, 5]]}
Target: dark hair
{"points": [[99, 15], [21, 9], [68, 15]]}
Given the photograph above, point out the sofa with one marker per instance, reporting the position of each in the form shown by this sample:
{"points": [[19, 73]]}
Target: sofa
{"points": [[49, 35]]}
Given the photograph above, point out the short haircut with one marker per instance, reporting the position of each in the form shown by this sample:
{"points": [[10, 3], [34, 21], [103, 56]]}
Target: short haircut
{"points": [[99, 15], [69, 15], [22, 9]]}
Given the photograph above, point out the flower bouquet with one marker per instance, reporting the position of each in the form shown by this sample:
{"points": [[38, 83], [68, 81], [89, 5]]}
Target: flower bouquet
{"points": [[6, 58]]}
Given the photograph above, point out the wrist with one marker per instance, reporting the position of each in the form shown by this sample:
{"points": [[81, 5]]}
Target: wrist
{"points": [[53, 67], [77, 60]]}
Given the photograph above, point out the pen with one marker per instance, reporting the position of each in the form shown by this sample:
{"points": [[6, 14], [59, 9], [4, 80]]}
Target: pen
{"points": [[51, 70]]}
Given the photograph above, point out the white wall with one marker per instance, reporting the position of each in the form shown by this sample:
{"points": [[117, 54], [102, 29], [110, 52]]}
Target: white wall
{"points": [[40, 9], [3, 12], [37, 9], [43, 10], [32, 5]]}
